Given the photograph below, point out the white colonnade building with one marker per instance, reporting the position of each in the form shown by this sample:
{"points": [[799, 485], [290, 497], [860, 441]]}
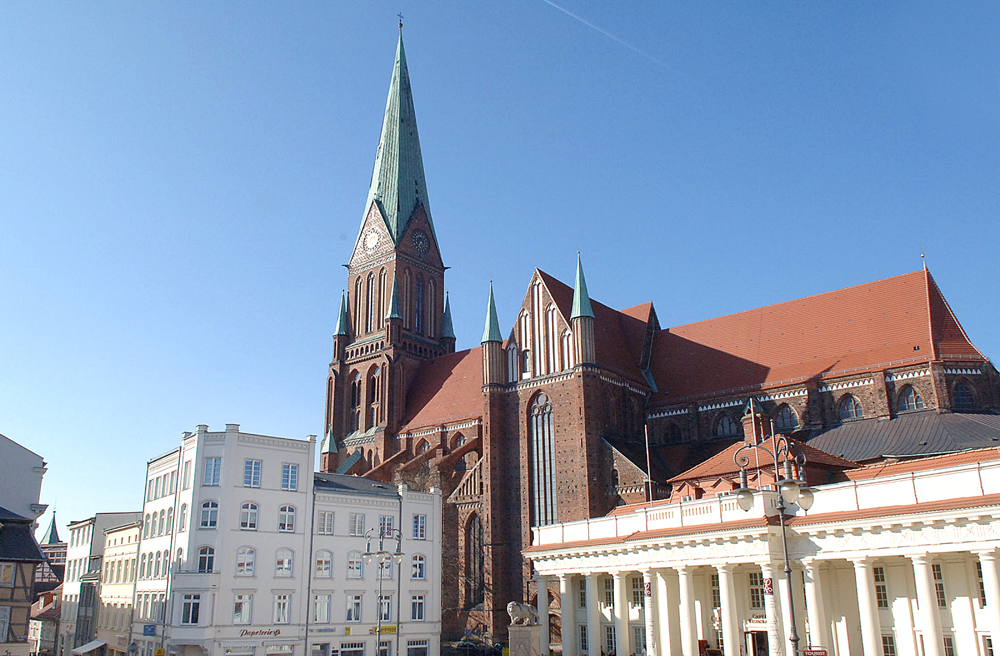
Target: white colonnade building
{"points": [[898, 559]]}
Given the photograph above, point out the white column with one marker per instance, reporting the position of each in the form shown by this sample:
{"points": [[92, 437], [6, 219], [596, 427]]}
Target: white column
{"points": [[991, 581], [819, 629], [930, 618], [649, 612], [731, 638], [542, 608], [568, 616], [619, 614], [772, 610], [871, 632], [663, 621], [593, 617], [689, 630]]}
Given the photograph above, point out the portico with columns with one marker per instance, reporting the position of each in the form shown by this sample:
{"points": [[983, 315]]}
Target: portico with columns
{"points": [[900, 559]]}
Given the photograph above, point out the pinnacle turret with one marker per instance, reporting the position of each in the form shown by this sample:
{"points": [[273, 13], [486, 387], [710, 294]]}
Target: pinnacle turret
{"points": [[581, 299], [393, 304], [491, 333], [342, 321], [447, 329], [51, 534]]}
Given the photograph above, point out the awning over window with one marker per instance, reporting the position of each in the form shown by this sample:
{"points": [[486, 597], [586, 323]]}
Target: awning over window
{"points": [[90, 646]]}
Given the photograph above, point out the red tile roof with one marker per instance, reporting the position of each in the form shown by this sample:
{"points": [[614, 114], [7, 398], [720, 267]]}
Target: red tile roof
{"points": [[863, 328], [446, 389], [968, 457], [723, 463]]}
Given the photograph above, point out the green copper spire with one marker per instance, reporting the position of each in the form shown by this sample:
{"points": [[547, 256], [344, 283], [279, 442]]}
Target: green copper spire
{"points": [[393, 303], [492, 331], [398, 184], [581, 300], [51, 535], [447, 329], [342, 318]]}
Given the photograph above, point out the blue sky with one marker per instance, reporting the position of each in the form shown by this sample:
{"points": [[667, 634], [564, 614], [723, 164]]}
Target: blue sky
{"points": [[180, 184]]}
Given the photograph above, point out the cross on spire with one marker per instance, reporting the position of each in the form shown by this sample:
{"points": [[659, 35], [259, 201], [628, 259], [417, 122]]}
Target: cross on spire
{"points": [[400, 20]]}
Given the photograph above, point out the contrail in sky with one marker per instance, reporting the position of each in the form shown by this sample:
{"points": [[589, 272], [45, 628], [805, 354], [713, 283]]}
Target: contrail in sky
{"points": [[611, 36]]}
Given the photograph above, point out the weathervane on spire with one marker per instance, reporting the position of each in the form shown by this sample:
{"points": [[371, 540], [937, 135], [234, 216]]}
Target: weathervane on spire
{"points": [[400, 20]]}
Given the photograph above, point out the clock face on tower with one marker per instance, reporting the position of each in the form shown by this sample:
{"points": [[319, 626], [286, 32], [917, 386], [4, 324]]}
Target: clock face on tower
{"points": [[421, 242], [371, 240]]}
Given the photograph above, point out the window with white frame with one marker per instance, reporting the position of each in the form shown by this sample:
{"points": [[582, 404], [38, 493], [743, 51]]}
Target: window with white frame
{"points": [[357, 524], [324, 523], [609, 592], [987, 646], [186, 475], [417, 608], [248, 516], [182, 518], [321, 608], [716, 592], [982, 584], [416, 647], [213, 471], [190, 609], [352, 649], [609, 638], [638, 639], [583, 637], [881, 589], [386, 569], [324, 564], [251, 473], [385, 608], [583, 592], [206, 559], [209, 514], [355, 566], [286, 519], [942, 600], [283, 562], [282, 608], [756, 590], [245, 560], [385, 524], [242, 608], [888, 645], [354, 607], [7, 571], [419, 567], [420, 527], [289, 476], [949, 645], [637, 597]]}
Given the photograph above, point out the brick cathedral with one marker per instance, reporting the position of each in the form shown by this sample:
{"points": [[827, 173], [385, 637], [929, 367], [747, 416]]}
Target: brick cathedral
{"points": [[547, 421]]}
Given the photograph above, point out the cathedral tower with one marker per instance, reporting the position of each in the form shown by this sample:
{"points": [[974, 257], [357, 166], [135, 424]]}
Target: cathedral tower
{"points": [[394, 313]]}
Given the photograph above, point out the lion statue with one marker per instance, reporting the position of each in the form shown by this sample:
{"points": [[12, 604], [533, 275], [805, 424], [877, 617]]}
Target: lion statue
{"points": [[521, 614]]}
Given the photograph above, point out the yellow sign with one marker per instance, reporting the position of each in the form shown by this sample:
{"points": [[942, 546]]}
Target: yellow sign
{"points": [[347, 630], [157, 652], [388, 629]]}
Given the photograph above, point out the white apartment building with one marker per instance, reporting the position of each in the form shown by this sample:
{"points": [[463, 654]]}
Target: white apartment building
{"points": [[84, 550], [244, 552], [21, 471], [118, 567], [902, 559]]}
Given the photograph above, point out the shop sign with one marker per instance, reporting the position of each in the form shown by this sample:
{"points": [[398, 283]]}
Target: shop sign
{"points": [[385, 629], [768, 586], [149, 629], [814, 652]]}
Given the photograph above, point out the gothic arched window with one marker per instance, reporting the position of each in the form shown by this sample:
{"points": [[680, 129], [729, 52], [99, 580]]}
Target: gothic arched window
{"points": [[551, 339], [382, 301], [566, 342], [542, 465], [673, 434], [725, 427], [371, 309], [475, 563], [909, 399], [356, 402], [512, 363], [786, 419], [206, 559], [358, 310], [962, 398], [850, 407], [405, 300], [418, 305], [431, 304], [374, 396]]}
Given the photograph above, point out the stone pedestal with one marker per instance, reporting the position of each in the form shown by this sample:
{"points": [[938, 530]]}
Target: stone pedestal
{"points": [[525, 640]]}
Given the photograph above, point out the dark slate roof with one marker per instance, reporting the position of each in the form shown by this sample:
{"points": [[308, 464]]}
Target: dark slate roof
{"points": [[668, 460], [916, 433], [16, 539], [352, 485]]}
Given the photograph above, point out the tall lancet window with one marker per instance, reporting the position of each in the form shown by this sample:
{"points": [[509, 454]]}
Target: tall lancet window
{"points": [[543, 479], [567, 350], [358, 309], [431, 303], [418, 306], [551, 335], [382, 302], [371, 308], [374, 397]]}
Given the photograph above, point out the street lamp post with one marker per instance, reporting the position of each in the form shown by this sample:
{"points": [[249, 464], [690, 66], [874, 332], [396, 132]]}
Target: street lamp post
{"points": [[382, 556], [791, 490]]}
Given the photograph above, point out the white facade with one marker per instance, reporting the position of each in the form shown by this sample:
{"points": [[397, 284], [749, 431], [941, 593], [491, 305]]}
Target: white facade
{"points": [[118, 566], [227, 552], [21, 471], [900, 560], [84, 550]]}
